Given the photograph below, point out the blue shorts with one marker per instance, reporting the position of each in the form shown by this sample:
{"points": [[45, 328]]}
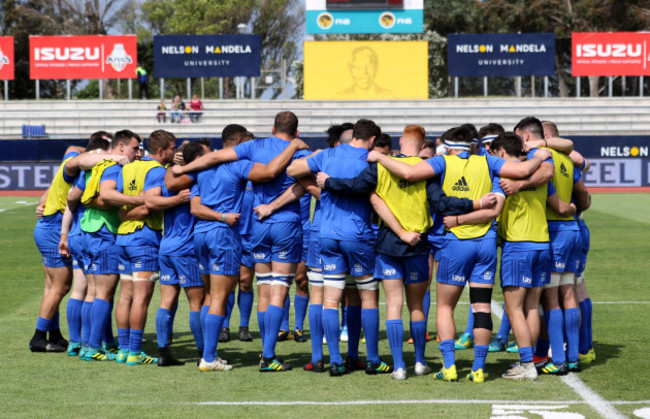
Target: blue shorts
{"points": [[412, 270], [436, 241], [221, 247], [180, 270], [585, 238], [305, 245], [468, 260], [47, 241], [566, 246], [76, 245], [525, 269], [104, 253], [246, 251], [203, 258], [277, 242], [142, 258], [314, 260], [346, 256]]}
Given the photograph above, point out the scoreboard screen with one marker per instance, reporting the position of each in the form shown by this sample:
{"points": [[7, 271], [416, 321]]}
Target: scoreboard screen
{"points": [[365, 4]]}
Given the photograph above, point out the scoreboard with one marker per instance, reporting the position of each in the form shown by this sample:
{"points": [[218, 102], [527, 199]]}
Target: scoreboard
{"points": [[365, 4]]}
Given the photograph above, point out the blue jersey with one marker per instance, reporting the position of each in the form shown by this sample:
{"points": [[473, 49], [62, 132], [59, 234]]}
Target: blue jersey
{"points": [[263, 151], [344, 216], [178, 238], [221, 188], [247, 213], [305, 212], [79, 213], [315, 222], [145, 236]]}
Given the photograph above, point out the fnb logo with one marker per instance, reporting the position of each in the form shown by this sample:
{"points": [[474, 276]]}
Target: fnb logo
{"points": [[65, 54], [390, 272], [527, 280], [329, 267], [259, 255], [458, 278], [609, 50]]}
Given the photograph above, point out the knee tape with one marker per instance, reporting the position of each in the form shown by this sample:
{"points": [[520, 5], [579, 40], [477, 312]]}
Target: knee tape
{"points": [[482, 320], [263, 278], [581, 278], [480, 295], [567, 278], [335, 281], [367, 284], [555, 281], [282, 279], [315, 278], [126, 277], [140, 276]]}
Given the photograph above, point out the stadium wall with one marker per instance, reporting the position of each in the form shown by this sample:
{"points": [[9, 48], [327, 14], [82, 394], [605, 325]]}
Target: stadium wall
{"points": [[616, 161]]}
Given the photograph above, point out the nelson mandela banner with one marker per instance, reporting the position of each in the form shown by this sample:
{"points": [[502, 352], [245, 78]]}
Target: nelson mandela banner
{"points": [[185, 56], [506, 54]]}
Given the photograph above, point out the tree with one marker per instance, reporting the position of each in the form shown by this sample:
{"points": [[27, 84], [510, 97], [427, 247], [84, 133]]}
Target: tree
{"points": [[22, 18], [563, 17], [278, 22]]}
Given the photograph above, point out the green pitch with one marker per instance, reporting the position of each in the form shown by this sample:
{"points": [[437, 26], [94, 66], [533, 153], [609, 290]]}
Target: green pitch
{"points": [[47, 385]]}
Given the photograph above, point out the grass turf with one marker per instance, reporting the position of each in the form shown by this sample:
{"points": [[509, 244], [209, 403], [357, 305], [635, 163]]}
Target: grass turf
{"points": [[39, 385]]}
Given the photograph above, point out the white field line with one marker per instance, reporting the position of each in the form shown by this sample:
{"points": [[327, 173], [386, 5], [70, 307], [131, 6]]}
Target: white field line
{"points": [[531, 404], [510, 403], [593, 399], [24, 204], [598, 403]]}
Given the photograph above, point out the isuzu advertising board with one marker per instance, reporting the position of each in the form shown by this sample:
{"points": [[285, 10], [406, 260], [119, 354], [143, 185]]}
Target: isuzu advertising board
{"points": [[610, 54], [6, 57], [82, 57]]}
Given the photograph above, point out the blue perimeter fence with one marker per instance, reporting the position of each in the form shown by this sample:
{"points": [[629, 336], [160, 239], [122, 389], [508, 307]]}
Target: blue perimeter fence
{"points": [[616, 161]]}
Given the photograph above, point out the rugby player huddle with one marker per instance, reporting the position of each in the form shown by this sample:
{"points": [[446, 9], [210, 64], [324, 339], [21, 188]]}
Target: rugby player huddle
{"points": [[205, 221]]}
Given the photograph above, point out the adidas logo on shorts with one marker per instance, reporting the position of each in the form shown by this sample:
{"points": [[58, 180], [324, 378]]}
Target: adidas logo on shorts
{"points": [[461, 185]]}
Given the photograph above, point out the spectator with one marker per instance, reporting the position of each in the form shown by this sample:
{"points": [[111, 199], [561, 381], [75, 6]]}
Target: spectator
{"points": [[178, 109], [162, 114], [196, 108], [141, 75]]}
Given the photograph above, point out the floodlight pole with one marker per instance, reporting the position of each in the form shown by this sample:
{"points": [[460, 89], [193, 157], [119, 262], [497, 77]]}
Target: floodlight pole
{"points": [[456, 87], [485, 86], [189, 88], [101, 89], [6, 89], [252, 87], [640, 86], [38, 90], [162, 88], [577, 86], [220, 87], [130, 88], [67, 88]]}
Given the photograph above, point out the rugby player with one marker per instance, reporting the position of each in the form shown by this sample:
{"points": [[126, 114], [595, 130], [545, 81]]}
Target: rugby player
{"points": [[217, 201], [101, 222], [561, 311], [469, 252], [404, 208], [275, 251], [57, 269], [346, 248], [71, 245], [525, 258]]}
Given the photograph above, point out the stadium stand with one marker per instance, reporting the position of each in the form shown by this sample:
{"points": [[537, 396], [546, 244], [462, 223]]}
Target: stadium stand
{"points": [[76, 118]]}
